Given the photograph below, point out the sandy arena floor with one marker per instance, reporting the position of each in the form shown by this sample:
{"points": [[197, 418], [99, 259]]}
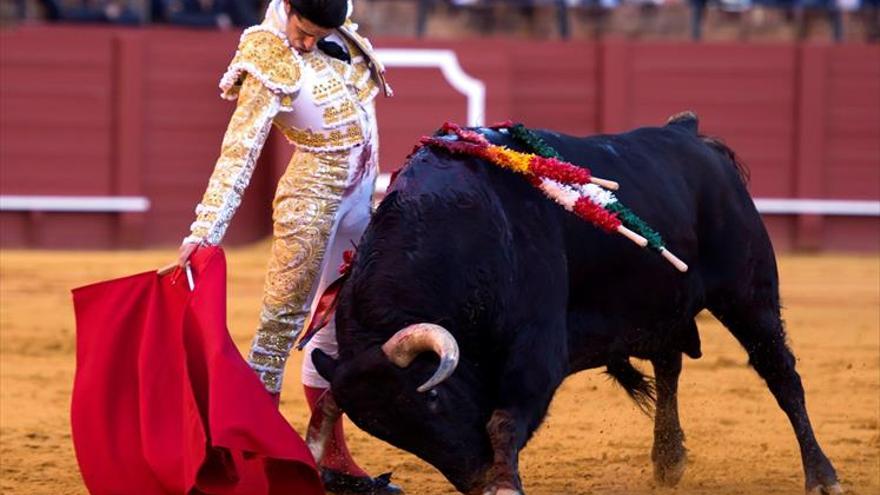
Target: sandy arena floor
{"points": [[594, 440]]}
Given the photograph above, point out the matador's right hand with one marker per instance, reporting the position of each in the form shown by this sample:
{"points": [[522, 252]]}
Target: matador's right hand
{"points": [[183, 253]]}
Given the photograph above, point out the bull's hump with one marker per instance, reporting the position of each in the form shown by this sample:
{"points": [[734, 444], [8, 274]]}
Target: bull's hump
{"points": [[431, 173], [686, 119]]}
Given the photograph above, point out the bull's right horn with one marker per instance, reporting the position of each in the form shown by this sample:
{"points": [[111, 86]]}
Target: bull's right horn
{"points": [[408, 343]]}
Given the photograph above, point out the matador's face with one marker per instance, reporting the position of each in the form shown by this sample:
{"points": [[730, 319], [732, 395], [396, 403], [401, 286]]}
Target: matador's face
{"points": [[302, 33]]}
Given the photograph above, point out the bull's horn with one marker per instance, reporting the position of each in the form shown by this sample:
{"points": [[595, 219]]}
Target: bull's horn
{"points": [[408, 343]]}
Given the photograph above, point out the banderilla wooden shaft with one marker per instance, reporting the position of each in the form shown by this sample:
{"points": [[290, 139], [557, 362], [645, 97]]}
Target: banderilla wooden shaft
{"points": [[607, 184], [629, 234], [676, 262]]}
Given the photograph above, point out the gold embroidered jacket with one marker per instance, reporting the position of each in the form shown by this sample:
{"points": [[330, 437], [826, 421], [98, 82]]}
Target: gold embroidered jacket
{"points": [[320, 104]]}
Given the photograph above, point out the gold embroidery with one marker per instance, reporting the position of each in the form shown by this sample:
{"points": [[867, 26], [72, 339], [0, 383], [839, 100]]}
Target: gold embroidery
{"points": [[353, 49], [342, 69], [267, 360], [304, 212], [339, 114], [272, 381], [361, 75], [327, 90], [244, 138], [333, 139], [349, 31], [368, 91], [270, 339], [317, 63], [362, 45], [267, 57]]}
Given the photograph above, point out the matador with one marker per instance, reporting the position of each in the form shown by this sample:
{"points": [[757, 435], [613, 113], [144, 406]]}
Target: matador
{"points": [[307, 71]]}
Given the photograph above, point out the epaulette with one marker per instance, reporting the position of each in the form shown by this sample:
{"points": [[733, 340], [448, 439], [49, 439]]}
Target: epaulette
{"points": [[266, 54], [377, 69]]}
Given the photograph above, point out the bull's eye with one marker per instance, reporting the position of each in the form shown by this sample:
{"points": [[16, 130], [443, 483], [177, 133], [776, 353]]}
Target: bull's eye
{"points": [[433, 394]]}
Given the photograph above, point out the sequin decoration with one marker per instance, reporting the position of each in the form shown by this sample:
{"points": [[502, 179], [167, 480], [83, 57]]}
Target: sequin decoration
{"points": [[330, 140], [349, 31], [368, 92], [305, 206], [266, 55], [334, 115], [244, 138], [328, 89]]}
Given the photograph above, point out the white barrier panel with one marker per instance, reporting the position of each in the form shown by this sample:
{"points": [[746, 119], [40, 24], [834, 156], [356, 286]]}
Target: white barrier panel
{"points": [[447, 62], [818, 207], [75, 203]]}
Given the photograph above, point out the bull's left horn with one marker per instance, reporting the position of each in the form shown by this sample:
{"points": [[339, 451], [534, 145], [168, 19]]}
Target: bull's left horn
{"points": [[408, 343]]}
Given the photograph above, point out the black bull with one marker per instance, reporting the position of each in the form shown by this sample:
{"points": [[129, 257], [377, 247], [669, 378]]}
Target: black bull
{"points": [[527, 294]]}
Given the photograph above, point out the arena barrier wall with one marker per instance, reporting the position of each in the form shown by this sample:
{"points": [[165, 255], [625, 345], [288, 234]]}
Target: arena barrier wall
{"points": [[108, 136]]}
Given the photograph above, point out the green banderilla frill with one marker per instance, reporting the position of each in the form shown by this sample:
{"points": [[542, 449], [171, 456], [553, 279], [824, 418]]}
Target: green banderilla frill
{"points": [[632, 221]]}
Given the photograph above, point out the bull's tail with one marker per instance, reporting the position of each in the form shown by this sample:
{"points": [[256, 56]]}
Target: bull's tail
{"points": [[639, 387], [689, 120]]}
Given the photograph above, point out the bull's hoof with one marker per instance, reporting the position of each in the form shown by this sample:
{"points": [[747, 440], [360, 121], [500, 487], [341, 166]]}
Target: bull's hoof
{"points": [[820, 476], [669, 474], [830, 489]]}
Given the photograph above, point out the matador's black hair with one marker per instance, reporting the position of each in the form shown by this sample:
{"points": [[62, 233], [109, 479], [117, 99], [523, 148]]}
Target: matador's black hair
{"points": [[328, 14]]}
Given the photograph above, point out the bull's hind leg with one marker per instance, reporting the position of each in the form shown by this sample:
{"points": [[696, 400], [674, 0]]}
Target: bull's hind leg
{"points": [[758, 327], [668, 454]]}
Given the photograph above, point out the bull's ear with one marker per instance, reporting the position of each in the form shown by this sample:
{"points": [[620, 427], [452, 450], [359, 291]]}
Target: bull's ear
{"points": [[325, 364]]}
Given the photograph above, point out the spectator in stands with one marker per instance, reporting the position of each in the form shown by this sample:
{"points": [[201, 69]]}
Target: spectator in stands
{"points": [[110, 11], [206, 13], [870, 11]]}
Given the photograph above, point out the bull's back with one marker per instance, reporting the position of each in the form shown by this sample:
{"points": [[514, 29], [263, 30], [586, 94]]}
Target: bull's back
{"points": [[668, 175], [694, 197], [462, 215]]}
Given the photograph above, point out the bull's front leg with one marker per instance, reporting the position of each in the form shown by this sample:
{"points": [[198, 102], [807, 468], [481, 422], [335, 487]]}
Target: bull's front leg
{"points": [[503, 476], [536, 365]]}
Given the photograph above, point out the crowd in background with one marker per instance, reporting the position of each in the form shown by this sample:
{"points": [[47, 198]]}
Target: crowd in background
{"points": [[226, 14], [196, 13]]}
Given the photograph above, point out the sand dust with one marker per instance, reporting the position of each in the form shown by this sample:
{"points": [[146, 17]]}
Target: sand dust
{"points": [[594, 440]]}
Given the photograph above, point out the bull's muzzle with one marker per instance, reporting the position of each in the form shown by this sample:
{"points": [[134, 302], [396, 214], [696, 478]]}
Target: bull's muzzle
{"points": [[408, 343]]}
